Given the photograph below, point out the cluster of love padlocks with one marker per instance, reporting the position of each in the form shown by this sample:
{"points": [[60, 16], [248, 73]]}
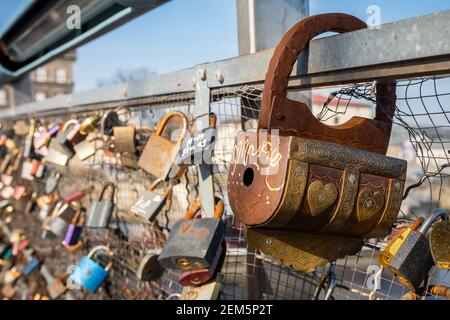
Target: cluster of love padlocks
{"points": [[33, 151]]}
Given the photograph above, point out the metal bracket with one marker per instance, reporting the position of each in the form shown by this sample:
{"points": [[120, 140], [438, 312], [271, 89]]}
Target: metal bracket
{"points": [[203, 106]]}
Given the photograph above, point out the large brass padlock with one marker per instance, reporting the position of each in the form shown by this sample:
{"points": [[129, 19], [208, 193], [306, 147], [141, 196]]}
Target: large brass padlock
{"points": [[193, 243], [440, 244], [314, 191], [159, 153], [413, 260]]}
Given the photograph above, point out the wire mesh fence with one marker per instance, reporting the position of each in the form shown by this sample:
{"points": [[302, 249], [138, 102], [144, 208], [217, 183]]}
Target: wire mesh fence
{"points": [[421, 136]]}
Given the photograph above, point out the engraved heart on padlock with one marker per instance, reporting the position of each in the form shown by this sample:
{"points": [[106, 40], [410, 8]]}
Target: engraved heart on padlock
{"points": [[321, 197], [368, 204]]}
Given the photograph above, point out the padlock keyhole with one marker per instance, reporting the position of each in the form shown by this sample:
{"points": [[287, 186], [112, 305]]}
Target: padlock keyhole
{"points": [[249, 175]]}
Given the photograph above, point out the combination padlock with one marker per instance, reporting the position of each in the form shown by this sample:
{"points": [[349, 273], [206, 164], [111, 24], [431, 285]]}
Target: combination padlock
{"points": [[100, 212], [193, 243], [413, 260], [89, 273], [150, 203]]}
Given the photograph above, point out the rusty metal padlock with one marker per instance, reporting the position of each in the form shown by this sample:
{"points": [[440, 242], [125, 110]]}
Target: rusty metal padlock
{"points": [[100, 212], [159, 153], [413, 260], [150, 203], [193, 243], [198, 148], [201, 276], [440, 244], [314, 190]]}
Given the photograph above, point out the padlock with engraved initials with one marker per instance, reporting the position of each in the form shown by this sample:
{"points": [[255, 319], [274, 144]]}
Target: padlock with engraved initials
{"points": [[89, 273], [198, 148], [159, 153], [413, 260], [193, 243], [310, 192], [100, 212], [150, 203]]}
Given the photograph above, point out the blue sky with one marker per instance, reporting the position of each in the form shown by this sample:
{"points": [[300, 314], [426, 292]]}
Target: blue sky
{"points": [[183, 33]]}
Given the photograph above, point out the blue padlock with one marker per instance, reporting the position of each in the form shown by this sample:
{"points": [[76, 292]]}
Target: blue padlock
{"points": [[32, 265], [90, 274]]}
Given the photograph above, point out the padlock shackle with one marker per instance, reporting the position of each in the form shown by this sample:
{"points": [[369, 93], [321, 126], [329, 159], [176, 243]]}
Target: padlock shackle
{"points": [[68, 124], [162, 125], [193, 209], [108, 252], [279, 112], [105, 186], [435, 215], [197, 205], [212, 119], [155, 184]]}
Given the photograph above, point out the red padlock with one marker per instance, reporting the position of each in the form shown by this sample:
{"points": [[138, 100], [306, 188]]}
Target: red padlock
{"points": [[199, 277], [78, 195], [35, 164]]}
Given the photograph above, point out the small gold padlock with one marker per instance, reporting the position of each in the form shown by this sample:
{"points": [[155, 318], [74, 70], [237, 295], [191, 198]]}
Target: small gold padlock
{"points": [[89, 124]]}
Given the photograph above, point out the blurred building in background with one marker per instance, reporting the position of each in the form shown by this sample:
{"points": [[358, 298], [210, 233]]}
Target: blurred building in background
{"points": [[52, 79]]}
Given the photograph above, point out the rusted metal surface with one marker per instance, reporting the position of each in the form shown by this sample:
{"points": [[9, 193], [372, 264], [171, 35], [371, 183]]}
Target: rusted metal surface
{"points": [[314, 178]]}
